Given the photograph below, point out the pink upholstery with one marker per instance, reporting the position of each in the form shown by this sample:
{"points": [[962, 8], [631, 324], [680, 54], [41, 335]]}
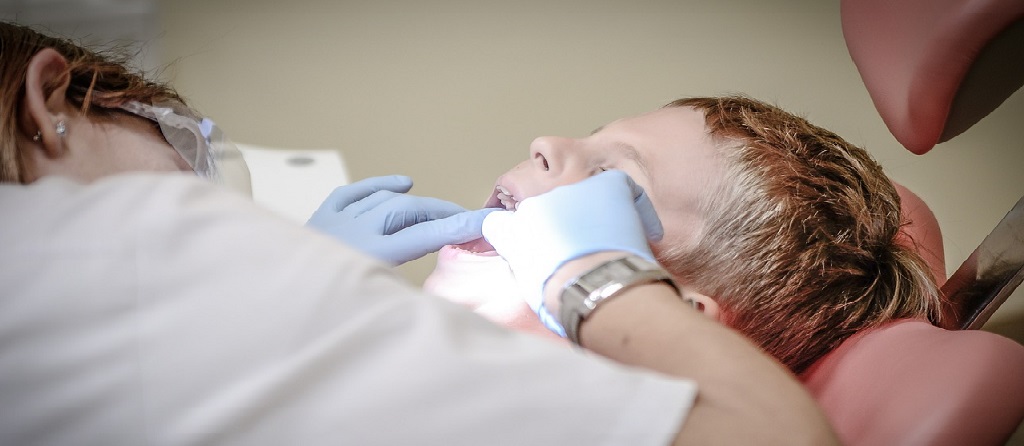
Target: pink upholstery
{"points": [[911, 383], [921, 231], [917, 56]]}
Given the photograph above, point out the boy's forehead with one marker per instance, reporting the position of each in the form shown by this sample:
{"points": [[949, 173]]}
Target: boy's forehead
{"points": [[675, 144], [671, 128], [681, 121]]}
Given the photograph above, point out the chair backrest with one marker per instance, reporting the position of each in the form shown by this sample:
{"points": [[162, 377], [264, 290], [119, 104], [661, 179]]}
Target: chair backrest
{"points": [[910, 382], [921, 232]]}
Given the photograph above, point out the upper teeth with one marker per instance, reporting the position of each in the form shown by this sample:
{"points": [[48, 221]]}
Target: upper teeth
{"points": [[507, 199]]}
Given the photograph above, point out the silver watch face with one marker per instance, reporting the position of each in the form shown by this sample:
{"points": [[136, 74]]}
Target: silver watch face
{"points": [[582, 295]]}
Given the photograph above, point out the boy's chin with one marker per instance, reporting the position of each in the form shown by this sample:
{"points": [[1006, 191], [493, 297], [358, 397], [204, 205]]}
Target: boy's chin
{"points": [[478, 246]]}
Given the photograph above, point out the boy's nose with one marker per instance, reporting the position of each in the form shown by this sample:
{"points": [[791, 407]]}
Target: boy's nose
{"points": [[547, 154]]}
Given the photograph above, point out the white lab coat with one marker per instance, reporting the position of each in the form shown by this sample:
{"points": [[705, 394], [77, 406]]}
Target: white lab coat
{"points": [[159, 309]]}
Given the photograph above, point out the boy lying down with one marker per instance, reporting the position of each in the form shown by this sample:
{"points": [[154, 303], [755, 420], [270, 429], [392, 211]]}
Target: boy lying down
{"points": [[773, 226]]}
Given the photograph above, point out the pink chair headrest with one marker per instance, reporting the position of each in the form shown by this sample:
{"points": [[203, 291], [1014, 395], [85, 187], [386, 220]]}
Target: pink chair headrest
{"points": [[934, 68], [910, 382]]}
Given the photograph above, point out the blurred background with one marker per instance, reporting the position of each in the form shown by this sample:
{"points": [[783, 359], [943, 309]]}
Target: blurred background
{"points": [[451, 92]]}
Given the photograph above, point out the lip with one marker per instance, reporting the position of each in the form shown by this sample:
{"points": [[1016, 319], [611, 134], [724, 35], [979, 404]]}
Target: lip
{"points": [[511, 187], [493, 201]]}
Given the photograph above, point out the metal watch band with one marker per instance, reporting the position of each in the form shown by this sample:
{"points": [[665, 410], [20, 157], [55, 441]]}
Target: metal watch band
{"points": [[585, 293]]}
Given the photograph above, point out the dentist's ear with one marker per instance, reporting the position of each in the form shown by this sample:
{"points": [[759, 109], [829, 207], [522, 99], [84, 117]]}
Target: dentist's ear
{"points": [[45, 103], [701, 302]]}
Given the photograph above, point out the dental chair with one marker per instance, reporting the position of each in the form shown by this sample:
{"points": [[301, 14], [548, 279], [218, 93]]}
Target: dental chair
{"points": [[933, 69]]}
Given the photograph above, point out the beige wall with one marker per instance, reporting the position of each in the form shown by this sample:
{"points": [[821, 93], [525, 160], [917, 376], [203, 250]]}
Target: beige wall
{"points": [[452, 92]]}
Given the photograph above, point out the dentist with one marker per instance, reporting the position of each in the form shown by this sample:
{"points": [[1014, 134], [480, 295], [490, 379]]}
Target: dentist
{"points": [[142, 304]]}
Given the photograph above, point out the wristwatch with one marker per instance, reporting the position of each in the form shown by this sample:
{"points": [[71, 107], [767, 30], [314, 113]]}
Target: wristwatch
{"points": [[585, 293]]}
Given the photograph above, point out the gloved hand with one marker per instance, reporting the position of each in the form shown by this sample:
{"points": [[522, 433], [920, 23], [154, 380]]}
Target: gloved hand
{"points": [[377, 217], [606, 212]]}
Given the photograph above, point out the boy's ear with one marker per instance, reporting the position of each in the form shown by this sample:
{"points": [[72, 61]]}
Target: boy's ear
{"points": [[703, 303], [44, 105]]}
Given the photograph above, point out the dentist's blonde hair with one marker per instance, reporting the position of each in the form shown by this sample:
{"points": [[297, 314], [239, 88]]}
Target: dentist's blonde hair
{"points": [[99, 84], [800, 248]]}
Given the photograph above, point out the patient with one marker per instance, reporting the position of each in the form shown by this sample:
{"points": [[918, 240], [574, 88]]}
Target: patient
{"points": [[777, 228]]}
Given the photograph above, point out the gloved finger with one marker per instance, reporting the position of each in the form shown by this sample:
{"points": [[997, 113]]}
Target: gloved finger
{"points": [[343, 196], [404, 211], [421, 239], [454, 229], [368, 204], [496, 230], [644, 207]]}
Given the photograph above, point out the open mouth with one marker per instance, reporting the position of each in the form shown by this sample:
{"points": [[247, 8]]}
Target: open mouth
{"points": [[502, 198], [506, 198]]}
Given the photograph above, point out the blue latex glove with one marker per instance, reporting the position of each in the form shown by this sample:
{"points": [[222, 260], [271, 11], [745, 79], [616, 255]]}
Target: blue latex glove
{"points": [[377, 217], [606, 212]]}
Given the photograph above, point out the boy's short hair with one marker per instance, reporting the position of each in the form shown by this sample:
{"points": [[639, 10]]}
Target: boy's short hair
{"points": [[800, 241]]}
